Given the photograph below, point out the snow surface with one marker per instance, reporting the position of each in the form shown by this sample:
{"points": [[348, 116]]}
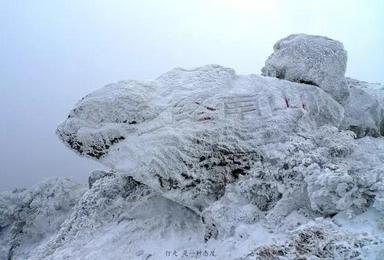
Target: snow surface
{"points": [[205, 161]]}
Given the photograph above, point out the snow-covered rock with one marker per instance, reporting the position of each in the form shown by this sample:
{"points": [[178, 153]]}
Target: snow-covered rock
{"points": [[207, 128], [130, 219], [321, 61], [96, 175], [29, 217], [364, 109], [229, 146], [321, 239], [119, 218], [310, 59], [231, 166]]}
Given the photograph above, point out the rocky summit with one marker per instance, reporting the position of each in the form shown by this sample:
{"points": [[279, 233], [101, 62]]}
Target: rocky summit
{"points": [[206, 163]]}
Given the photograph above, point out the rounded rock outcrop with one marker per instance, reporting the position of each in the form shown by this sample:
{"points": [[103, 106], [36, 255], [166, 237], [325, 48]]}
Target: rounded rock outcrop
{"points": [[310, 59]]}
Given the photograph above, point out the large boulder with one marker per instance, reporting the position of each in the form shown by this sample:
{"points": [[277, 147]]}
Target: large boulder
{"points": [[231, 148], [190, 133], [320, 61], [310, 59]]}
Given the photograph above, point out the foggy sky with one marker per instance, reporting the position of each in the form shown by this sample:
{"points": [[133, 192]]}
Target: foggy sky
{"points": [[54, 52]]}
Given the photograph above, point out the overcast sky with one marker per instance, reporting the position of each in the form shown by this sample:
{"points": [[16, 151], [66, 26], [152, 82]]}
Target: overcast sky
{"points": [[54, 52]]}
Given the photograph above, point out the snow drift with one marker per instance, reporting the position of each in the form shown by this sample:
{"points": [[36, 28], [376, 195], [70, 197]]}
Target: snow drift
{"points": [[278, 166]]}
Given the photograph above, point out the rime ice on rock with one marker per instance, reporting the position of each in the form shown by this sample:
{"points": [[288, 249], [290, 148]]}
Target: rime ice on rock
{"points": [[364, 111], [321, 61], [309, 59], [97, 175], [29, 217], [207, 128], [232, 148], [128, 216], [206, 159], [241, 153]]}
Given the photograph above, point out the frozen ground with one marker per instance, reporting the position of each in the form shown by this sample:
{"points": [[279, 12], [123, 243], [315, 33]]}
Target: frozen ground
{"points": [[208, 164]]}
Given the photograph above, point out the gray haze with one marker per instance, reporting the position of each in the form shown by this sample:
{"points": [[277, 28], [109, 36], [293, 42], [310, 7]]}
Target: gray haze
{"points": [[54, 52]]}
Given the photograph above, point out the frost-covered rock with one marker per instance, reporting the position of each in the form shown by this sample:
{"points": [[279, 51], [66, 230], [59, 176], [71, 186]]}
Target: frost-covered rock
{"points": [[368, 163], [206, 130], [230, 147], [119, 218], [321, 61], [364, 109], [29, 217], [205, 159], [321, 240], [97, 175], [310, 59]]}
